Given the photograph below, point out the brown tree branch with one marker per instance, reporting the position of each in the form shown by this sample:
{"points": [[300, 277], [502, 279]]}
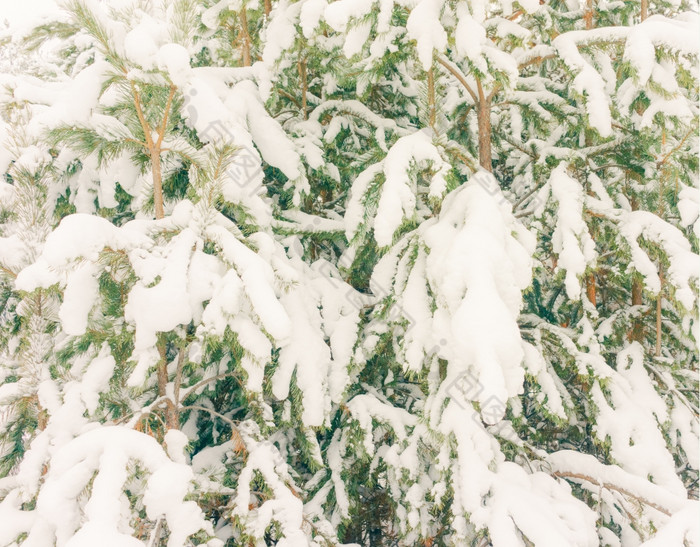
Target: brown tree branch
{"points": [[142, 119], [431, 99], [164, 123], [154, 153], [674, 149], [484, 122], [238, 444], [459, 77], [301, 65], [616, 488], [535, 60], [246, 37]]}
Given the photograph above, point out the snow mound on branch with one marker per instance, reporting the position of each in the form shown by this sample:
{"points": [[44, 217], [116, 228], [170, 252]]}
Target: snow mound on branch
{"points": [[398, 200], [266, 298], [474, 261], [571, 239], [478, 265], [101, 455]]}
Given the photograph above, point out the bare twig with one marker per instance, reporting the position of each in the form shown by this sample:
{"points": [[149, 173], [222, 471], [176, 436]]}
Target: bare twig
{"points": [[246, 37], [301, 65], [155, 535], [668, 155], [616, 488], [238, 444], [206, 381]]}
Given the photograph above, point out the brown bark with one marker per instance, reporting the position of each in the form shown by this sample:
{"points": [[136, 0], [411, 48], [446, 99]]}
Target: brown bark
{"points": [[301, 65], [591, 288], [515, 15], [484, 118], [636, 334], [42, 415], [452, 70], [610, 486], [657, 351], [172, 420], [157, 184], [431, 99], [637, 292], [645, 9], [174, 417], [482, 103], [660, 212], [484, 122], [268, 7], [246, 38], [663, 160], [588, 15], [154, 148], [155, 156]]}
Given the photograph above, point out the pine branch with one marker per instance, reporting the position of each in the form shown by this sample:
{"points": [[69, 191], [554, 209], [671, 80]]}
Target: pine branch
{"points": [[459, 76], [669, 511], [87, 20], [166, 113]]}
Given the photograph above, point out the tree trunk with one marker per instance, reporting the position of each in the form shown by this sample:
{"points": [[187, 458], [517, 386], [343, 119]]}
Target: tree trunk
{"points": [[637, 332], [157, 183], [657, 351], [154, 148], [484, 119], [246, 38], [172, 419], [637, 292], [301, 65], [591, 288], [431, 99], [588, 14]]}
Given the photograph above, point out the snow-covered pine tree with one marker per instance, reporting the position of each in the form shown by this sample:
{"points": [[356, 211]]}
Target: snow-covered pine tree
{"points": [[391, 273], [559, 104], [197, 326]]}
